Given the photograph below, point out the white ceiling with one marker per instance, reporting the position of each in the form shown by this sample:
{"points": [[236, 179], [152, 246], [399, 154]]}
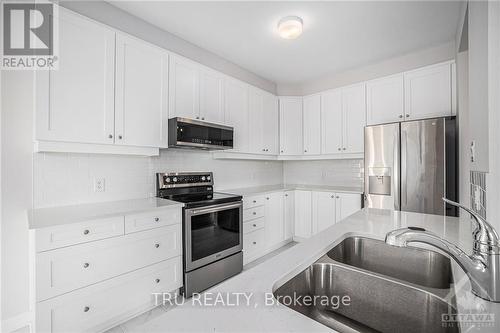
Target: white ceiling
{"points": [[337, 35]]}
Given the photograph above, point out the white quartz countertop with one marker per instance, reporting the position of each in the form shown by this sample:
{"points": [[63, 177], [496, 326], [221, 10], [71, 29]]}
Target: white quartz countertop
{"points": [[261, 280], [52, 216], [246, 191]]}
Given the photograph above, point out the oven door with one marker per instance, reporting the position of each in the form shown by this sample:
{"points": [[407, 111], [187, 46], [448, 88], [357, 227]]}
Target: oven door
{"points": [[212, 233]]}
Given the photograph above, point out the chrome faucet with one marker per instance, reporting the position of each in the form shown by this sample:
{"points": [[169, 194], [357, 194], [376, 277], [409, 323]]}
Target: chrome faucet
{"points": [[482, 267]]}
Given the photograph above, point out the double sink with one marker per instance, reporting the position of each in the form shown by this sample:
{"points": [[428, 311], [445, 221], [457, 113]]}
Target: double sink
{"points": [[389, 289]]}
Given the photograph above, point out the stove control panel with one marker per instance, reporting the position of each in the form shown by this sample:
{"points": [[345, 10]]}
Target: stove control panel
{"points": [[184, 179]]}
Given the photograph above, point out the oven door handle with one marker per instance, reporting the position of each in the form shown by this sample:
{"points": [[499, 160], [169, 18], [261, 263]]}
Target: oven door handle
{"points": [[214, 208]]}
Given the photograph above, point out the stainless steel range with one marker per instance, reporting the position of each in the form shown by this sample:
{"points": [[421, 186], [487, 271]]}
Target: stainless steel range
{"points": [[212, 228]]}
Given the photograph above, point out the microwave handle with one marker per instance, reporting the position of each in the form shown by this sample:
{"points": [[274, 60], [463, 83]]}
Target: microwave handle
{"points": [[214, 208]]}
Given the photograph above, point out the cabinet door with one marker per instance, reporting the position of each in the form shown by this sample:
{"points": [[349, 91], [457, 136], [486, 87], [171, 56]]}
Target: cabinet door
{"points": [[270, 125], [428, 92], [289, 213], [184, 98], [385, 100], [211, 96], [76, 102], [347, 204], [256, 121], [354, 113], [236, 112], [323, 211], [141, 117], [331, 122], [303, 217], [312, 125], [275, 228], [291, 126]]}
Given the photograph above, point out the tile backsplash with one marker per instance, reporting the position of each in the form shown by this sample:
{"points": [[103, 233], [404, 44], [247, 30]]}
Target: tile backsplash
{"points": [[325, 172]]}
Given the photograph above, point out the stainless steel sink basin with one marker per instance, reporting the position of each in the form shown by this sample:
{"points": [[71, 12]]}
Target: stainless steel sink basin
{"points": [[381, 299], [423, 267]]}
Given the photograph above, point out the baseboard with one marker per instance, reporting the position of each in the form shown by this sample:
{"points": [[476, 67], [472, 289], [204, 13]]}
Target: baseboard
{"points": [[21, 321]]}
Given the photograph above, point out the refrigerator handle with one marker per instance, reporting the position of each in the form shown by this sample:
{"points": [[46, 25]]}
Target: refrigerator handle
{"points": [[395, 171], [404, 147]]}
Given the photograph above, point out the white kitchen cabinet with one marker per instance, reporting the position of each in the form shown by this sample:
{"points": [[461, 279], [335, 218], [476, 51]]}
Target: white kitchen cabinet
{"points": [[289, 213], [75, 103], [303, 214], [354, 118], [236, 113], [211, 96], [263, 122], [347, 204], [275, 228], [385, 100], [141, 97], [312, 124], [270, 124], [331, 122], [323, 210], [184, 86], [291, 126], [428, 91]]}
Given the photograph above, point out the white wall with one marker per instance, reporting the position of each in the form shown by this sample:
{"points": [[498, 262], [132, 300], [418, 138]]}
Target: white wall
{"points": [[463, 127], [17, 119], [121, 20], [387, 67], [335, 172]]}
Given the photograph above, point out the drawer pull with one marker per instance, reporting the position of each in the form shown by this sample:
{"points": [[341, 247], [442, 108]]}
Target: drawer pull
{"points": [[86, 232], [86, 309], [86, 265], [254, 225], [157, 280], [157, 245], [267, 198], [157, 219], [254, 201], [254, 243], [254, 213], [338, 197]]}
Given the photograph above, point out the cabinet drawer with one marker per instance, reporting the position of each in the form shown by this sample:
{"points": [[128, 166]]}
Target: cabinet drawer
{"points": [[253, 243], [253, 201], [253, 213], [103, 305], [145, 221], [70, 268], [253, 225], [77, 233]]}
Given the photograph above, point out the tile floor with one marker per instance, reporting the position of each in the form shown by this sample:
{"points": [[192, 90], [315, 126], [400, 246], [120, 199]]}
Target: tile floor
{"points": [[134, 323]]}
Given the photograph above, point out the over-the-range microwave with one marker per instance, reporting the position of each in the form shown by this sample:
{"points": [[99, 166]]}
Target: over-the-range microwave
{"points": [[196, 134]]}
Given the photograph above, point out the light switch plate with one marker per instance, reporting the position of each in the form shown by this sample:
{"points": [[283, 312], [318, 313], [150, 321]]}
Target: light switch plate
{"points": [[99, 184]]}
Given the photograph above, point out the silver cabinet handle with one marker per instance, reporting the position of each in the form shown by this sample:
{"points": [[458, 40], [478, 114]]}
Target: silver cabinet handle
{"points": [[120, 137], [157, 280], [197, 117], [254, 213], [407, 116], [281, 150], [286, 195], [338, 197], [86, 232], [110, 136], [339, 149], [157, 219], [254, 243], [254, 201], [343, 148], [157, 245], [254, 225], [263, 149], [86, 265], [267, 198], [305, 150], [86, 309], [332, 196], [400, 116]]}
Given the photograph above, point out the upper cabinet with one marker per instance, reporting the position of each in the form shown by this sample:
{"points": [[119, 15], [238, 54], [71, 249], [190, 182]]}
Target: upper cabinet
{"points": [[236, 113], [141, 111], [428, 91], [211, 96], [385, 100], [343, 120], [291, 126], [76, 102], [263, 121], [184, 98], [312, 124]]}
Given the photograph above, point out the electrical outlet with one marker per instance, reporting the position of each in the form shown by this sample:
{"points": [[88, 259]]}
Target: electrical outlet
{"points": [[99, 185]]}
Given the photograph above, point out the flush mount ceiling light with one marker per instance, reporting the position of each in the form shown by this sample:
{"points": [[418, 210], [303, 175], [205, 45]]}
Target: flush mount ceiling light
{"points": [[290, 27]]}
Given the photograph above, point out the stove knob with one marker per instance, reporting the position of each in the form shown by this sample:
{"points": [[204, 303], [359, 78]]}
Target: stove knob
{"points": [[208, 178], [175, 179], [167, 180], [202, 178]]}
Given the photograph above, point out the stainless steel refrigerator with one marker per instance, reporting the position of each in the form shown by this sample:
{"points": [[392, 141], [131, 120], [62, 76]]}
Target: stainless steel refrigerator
{"points": [[412, 165]]}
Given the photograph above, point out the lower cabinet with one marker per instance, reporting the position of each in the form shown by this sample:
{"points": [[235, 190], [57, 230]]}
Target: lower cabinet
{"points": [[94, 278], [303, 214]]}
